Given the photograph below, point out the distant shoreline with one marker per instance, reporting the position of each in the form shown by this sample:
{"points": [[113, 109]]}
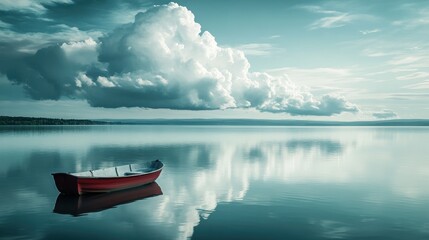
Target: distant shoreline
{"points": [[28, 121]]}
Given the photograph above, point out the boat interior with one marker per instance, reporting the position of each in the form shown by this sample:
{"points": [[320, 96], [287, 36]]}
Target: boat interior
{"points": [[121, 171]]}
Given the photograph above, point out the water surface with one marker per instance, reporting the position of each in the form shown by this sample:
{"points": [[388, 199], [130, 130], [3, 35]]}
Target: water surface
{"points": [[222, 182]]}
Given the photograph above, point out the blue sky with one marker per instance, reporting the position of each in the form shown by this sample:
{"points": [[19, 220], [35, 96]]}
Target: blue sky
{"points": [[326, 60]]}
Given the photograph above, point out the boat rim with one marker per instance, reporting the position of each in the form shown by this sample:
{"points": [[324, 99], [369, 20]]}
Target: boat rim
{"points": [[125, 176]]}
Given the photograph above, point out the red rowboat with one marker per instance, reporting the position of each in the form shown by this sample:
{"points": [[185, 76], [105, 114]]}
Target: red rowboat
{"points": [[108, 179], [78, 205]]}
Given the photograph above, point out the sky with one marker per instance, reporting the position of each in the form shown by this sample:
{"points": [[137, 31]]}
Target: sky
{"points": [[341, 60]]}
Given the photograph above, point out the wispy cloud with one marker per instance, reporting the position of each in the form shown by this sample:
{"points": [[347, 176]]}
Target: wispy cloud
{"points": [[274, 36], [318, 9], [413, 75], [314, 71], [409, 95], [31, 42], [376, 53], [334, 19], [30, 6], [4, 25], [315, 77], [257, 49], [398, 70], [421, 85], [420, 17], [366, 32], [404, 60]]}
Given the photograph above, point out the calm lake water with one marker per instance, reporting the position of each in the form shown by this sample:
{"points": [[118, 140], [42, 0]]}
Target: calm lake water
{"points": [[220, 182]]}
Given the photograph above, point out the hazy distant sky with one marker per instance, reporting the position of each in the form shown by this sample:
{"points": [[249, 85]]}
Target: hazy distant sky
{"points": [[326, 60]]}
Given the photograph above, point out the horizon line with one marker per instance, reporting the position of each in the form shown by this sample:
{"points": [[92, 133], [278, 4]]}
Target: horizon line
{"points": [[9, 120]]}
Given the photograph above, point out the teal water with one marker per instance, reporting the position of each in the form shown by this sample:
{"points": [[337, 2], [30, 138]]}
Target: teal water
{"points": [[223, 182]]}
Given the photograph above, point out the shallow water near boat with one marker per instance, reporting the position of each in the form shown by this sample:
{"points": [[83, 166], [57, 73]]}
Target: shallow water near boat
{"points": [[219, 182]]}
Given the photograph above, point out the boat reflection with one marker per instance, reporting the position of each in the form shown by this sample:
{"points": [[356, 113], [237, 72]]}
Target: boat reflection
{"points": [[79, 205]]}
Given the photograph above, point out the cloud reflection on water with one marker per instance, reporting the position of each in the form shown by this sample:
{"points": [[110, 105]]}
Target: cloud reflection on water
{"points": [[204, 169]]}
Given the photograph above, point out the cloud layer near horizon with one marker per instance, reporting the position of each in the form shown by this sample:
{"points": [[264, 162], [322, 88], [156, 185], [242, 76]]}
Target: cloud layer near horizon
{"points": [[386, 113], [161, 60]]}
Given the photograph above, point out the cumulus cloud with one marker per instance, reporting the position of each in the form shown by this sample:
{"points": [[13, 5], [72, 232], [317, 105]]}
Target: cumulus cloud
{"points": [[384, 114], [47, 74], [82, 79], [164, 60], [83, 52]]}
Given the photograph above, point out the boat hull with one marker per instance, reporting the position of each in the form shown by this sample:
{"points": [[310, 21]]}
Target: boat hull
{"points": [[76, 185]]}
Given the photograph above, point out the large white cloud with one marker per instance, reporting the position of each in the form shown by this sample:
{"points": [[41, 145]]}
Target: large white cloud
{"points": [[166, 43], [164, 57], [164, 60]]}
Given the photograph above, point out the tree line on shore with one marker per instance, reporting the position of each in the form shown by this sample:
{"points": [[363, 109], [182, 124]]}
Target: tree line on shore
{"points": [[6, 120]]}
